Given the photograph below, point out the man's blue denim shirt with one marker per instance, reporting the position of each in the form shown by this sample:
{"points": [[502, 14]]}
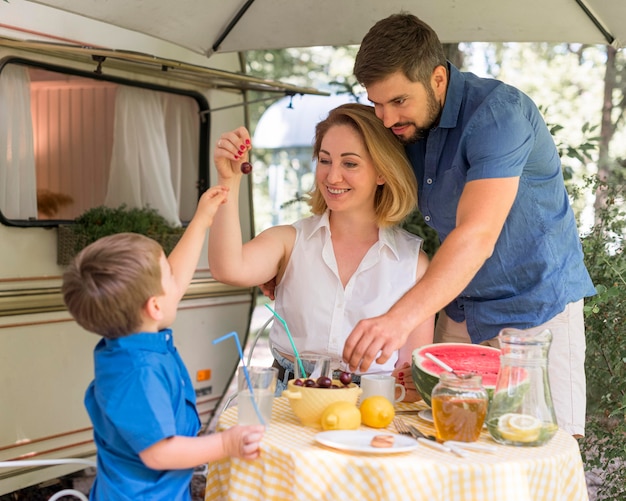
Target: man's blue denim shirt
{"points": [[491, 130]]}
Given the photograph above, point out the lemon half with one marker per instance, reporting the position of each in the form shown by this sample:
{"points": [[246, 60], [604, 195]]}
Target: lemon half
{"points": [[519, 427]]}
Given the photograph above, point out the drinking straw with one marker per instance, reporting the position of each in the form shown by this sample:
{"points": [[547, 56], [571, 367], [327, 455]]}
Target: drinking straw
{"points": [[293, 345], [245, 371]]}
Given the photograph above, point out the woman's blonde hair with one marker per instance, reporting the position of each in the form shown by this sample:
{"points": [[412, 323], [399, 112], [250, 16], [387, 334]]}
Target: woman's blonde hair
{"points": [[397, 197], [109, 282]]}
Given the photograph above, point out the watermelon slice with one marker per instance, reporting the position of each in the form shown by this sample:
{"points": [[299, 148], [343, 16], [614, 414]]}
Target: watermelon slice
{"points": [[462, 357]]}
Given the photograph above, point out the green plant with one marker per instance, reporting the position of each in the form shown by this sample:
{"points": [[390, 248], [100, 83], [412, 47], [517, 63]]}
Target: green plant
{"points": [[102, 221], [414, 223], [604, 447]]}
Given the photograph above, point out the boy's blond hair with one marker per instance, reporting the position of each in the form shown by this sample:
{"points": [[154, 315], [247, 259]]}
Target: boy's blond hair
{"points": [[109, 282], [398, 196]]}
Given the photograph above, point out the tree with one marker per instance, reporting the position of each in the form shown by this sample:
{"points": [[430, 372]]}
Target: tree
{"points": [[325, 68]]}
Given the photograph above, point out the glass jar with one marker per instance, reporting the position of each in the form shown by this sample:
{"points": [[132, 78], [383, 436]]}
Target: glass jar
{"points": [[521, 411], [459, 404]]}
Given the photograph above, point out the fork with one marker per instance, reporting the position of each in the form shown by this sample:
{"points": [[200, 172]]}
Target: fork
{"points": [[403, 429], [416, 431]]}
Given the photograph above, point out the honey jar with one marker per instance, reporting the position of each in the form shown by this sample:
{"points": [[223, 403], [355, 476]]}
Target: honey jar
{"points": [[459, 405]]}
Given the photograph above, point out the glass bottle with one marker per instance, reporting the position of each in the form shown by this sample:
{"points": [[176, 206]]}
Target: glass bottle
{"points": [[459, 405], [521, 411]]}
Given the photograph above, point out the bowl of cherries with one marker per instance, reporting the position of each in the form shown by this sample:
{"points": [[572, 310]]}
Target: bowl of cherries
{"points": [[309, 397]]}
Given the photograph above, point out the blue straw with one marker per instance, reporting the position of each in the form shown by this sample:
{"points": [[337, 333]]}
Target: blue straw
{"points": [[245, 371], [293, 345]]}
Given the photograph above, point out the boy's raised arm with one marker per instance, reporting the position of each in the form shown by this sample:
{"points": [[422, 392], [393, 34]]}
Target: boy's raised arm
{"points": [[184, 258]]}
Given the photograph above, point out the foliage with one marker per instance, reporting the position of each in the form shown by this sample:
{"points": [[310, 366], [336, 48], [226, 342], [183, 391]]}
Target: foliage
{"points": [[102, 221], [604, 447], [325, 68], [414, 223]]}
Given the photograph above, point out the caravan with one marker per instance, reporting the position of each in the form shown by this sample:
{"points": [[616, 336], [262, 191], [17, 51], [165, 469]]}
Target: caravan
{"points": [[82, 127]]}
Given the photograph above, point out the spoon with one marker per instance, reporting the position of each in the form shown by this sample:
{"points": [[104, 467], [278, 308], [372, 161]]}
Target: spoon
{"points": [[442, 364]]}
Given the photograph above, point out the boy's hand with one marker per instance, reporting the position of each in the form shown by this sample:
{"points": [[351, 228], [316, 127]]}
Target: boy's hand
{"points": [[210, 201], [243, 441]]}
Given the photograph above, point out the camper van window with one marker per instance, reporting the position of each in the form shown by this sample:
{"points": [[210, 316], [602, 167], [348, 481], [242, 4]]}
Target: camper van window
{"points": [[72, 140]]}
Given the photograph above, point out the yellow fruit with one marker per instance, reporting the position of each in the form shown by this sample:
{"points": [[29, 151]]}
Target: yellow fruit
{"points": [[519, 427], [340, 416], [377, 412]]}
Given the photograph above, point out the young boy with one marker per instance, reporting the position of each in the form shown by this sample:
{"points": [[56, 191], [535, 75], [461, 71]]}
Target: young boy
{"points": [[142, 402]]}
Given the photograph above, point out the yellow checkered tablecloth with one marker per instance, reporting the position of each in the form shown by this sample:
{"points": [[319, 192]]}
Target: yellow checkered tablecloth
{"points": [[293, 466]]}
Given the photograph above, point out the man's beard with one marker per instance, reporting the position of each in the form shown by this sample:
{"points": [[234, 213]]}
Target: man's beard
{"points": [[434, 114]]}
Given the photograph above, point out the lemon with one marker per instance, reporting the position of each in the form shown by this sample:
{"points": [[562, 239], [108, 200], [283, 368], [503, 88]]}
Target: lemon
{"points": [[340, 416], [377, 412], [519, 427]]}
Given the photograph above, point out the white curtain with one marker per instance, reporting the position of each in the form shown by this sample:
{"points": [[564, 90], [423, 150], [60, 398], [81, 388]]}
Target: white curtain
{"points": [[150, 148], [183, 138], [18, 185]]}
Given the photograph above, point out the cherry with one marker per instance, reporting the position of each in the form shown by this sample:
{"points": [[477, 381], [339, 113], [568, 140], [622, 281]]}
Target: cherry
{"points": [[309, 383], [324, 382], [246, 167], [345, 378], [298, 382]]}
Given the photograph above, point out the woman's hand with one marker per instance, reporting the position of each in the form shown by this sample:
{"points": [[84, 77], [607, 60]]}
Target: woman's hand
{"points": [[231, 151], [404, 377]]}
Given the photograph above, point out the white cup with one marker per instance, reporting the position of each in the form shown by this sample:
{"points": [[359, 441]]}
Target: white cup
{"points": [[385, 386]]}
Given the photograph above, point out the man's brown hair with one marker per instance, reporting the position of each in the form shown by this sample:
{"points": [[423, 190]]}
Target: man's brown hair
{"points": [[401, 42]]}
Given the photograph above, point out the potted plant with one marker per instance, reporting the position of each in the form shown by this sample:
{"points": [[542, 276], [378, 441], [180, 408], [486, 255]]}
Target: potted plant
{"points": [[101, 221]]}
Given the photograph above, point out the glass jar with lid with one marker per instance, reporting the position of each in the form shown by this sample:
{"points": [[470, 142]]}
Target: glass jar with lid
{"points": [[459, 405]]}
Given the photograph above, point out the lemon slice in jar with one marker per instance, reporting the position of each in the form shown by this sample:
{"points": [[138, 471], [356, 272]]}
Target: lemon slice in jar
{"points": [[519, 427]]}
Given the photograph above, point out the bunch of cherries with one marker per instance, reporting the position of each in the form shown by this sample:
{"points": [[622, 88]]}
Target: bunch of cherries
{"points": [[345, 378]]}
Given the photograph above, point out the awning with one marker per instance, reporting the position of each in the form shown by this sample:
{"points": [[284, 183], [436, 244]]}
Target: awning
{"points": [[209, 26]]}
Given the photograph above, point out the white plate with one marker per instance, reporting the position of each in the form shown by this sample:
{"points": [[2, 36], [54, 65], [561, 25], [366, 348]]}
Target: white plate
{"points": [[359, 441], [426, 415]]}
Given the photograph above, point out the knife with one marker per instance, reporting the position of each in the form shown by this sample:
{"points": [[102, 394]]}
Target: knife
{"points": [[431, 442]]}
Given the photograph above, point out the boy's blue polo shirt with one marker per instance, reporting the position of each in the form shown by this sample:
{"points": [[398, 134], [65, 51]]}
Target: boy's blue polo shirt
{"points": [[141, 395], [491, 130]]}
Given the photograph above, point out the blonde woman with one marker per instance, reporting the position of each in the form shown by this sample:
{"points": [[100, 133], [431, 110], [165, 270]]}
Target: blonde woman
{"points": [[348, 261]]}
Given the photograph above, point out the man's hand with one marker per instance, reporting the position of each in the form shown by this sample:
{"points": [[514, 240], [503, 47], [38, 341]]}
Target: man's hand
{"points": [[373, 339]]}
